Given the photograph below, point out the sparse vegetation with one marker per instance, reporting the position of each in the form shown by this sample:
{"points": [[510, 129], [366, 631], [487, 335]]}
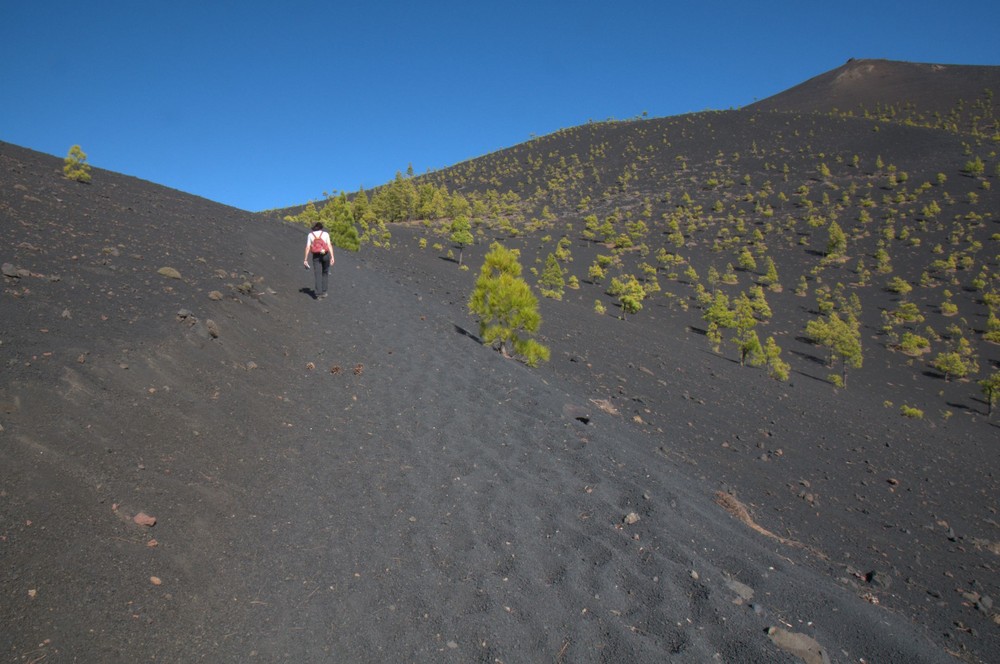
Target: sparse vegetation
{"points": [[667, 222]]}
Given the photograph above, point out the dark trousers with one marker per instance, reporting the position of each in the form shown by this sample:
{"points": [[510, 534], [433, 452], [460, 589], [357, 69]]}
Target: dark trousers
{"points": [[321, 272]]}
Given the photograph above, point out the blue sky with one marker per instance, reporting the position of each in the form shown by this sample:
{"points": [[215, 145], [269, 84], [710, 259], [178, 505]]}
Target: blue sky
{"points": [[271, 104]]}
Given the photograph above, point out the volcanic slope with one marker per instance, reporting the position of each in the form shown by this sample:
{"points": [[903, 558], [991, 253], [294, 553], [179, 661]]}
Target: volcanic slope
{"points": [[349, 479], [893, 477], [358, 479]]}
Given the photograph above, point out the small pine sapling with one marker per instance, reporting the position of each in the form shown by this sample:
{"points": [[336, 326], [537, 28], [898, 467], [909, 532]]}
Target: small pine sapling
{"points": [[461, 235], [991, 390], [75, 165], [777, 368], [553, 281]]}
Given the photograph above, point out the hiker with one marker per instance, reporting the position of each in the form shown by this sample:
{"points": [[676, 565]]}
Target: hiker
{"points": [[318, 244]]}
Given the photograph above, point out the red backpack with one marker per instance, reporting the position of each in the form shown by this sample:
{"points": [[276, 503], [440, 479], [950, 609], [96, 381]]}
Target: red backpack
{"points": [[318, 245]]}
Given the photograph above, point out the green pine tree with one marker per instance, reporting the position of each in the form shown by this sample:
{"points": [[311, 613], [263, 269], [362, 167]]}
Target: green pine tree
{"points": [[553, 281], [745, 337], [461, 235], [630, 293], [776, 367], [836, 246], [991, 390], [75, 165], [841, 335], [506, 307]]}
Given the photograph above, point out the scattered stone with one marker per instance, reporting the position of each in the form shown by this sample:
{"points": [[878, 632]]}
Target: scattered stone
{"points": [[213, 329], [310, 366], [605, 405], [155, 580], [985, 604], [32, 593], [184, 314], [144, 519], [630, 518], [879, 579], [215, 295], [152, 544], [251, 365], [169, 273], [744, 593], [802, 646], [9, 270], [66, 314]]}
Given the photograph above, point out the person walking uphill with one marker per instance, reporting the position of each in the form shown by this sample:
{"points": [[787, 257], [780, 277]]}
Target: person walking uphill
{"points": [[319, 246]]}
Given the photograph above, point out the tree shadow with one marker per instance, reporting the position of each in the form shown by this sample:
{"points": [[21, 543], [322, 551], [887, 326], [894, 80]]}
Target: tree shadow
{"points": [[719, 356], [464, 332], [818, 379], [809, 357]]}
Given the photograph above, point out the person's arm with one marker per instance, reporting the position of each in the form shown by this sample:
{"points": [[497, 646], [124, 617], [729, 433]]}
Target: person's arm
{"points": [[305, 258], [329, 243]]}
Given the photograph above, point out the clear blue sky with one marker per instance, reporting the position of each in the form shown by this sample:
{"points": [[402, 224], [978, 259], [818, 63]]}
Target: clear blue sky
{"points": [[271, 104]]}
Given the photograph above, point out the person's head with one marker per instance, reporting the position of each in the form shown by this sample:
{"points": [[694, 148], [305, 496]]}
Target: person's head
{"points": [[318, 226]]}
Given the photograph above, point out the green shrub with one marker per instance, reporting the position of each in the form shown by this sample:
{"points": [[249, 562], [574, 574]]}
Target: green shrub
{"points": [[914, 344], [75, 165], [506, 307]]}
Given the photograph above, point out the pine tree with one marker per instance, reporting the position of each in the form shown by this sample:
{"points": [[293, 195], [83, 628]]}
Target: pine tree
{"points": [[506, 307], [759, 302], [553, 281], [776, 367], [846, 342], [842, 336], [360, 206], [719, 313], [461, 235], [836, 246], [992, 333], [770, 277], [714, 335], [950, 364], [629, 292], [75, 165], [337, 214], [991, 390], [597, 273], [746, 339]]}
